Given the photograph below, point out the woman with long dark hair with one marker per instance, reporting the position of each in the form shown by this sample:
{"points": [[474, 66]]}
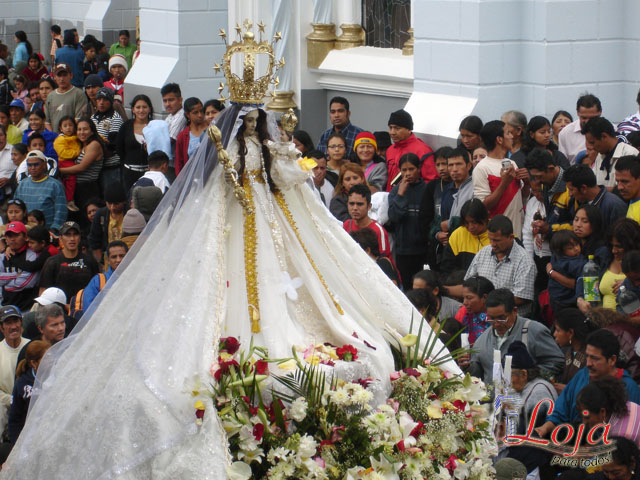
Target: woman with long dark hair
{"points": [[302, 141], [34, 70], [588, 226], [571, 331], [88, 164], [470, 133], [623, 236], [189, 139], [130, 142], [23, 48], [539, 134]]}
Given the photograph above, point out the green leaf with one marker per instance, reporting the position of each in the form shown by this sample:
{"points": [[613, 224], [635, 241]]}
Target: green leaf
{"points": [[277, 412]]}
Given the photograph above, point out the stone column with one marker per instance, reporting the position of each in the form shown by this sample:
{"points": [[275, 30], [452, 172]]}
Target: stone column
{"points": [[282, 15], [349, 19], [323, 38], [180, 43]]}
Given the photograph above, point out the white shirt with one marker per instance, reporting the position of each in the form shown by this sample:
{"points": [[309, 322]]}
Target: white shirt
{"points": [[621, 150], [177, 122], [8, 359], [158, 179], [6, 164], [571, 141], [327, 192], [481, 189]]}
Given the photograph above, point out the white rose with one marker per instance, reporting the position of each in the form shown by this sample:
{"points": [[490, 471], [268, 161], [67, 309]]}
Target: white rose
{"points": [[298, 409]]}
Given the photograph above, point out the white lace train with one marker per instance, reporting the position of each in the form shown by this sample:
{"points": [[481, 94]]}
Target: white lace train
{"points": [[113, 405]]}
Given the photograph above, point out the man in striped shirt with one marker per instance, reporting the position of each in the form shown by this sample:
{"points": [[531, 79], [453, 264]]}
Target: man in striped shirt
{"points": [[359, 204], [41, 192]]}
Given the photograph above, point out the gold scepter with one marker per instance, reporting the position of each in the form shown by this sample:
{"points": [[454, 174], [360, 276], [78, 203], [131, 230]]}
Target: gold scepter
{"points": [[232, 177]]}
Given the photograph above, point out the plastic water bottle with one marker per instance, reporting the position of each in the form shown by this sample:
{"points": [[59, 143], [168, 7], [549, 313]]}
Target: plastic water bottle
{"points": [[628, 302], [591, 282]]}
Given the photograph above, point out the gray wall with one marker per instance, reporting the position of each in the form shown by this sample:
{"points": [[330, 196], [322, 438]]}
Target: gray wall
{"points": [[369, 112]]}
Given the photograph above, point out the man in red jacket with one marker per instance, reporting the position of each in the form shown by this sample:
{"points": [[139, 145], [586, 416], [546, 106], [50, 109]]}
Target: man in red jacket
{"points": [[404, 141]]}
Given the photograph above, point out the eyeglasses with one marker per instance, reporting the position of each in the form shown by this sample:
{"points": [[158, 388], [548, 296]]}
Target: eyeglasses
{"points": [[15, 201], [333, 147], [29, 165], [497, 319]]}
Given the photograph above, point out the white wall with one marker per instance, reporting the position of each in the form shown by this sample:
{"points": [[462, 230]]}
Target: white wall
{"points": [[533, 55], [19, 15]]}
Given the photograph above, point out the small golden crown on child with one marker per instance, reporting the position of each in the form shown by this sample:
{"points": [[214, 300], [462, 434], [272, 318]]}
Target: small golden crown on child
{"points": [[249, 89]]}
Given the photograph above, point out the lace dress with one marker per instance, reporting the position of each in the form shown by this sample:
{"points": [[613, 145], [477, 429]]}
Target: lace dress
{"points": [[112, 404]]}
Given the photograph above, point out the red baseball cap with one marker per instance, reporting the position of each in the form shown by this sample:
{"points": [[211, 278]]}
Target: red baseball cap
{"points": [[16, 227]]}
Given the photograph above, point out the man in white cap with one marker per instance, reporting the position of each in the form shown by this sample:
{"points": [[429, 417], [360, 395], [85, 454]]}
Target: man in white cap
{"points": [[10, 347], [118, 69], [49, 296], [64, 100]]}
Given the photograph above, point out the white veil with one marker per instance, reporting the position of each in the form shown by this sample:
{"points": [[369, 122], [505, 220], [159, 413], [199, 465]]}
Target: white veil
{"points": [[109, 398]]}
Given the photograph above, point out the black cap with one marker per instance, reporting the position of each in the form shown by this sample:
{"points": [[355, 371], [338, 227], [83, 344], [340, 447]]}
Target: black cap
{"points": [[520, 357], [105, 92], [9, 311], [93, 80], [66, 226], [401, 118]]}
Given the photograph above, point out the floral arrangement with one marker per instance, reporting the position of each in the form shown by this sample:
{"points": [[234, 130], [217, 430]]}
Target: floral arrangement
{"points": [[306, 425]]}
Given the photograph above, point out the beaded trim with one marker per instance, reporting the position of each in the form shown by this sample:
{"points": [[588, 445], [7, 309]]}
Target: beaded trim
{"points": [[250, 261], [287, 213]]}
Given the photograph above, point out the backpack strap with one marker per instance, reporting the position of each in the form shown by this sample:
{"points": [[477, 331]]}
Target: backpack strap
{"points": [[525, 332], [103, 280], [76, 305]]}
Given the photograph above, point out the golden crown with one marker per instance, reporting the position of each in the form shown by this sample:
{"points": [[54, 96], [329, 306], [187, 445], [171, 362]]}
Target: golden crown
{"points": [[248, 89]]}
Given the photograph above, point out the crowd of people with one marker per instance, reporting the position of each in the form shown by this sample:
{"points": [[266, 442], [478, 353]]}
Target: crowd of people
{"points": [[526, 234]]}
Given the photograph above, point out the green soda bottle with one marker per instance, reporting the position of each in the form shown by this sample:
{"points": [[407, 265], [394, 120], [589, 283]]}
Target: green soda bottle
{"points": [[591, 282]]}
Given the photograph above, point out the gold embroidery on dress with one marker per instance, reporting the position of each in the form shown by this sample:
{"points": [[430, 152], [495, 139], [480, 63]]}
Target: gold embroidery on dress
{"points": [[251, 261], [287, 213]]}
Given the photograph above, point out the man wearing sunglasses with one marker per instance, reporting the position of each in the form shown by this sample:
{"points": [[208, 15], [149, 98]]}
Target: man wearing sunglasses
{"points": [[42, 192], [506, 326]]}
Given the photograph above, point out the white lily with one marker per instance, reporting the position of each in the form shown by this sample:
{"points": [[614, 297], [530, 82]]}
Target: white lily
{"points": [[388, 470], [290, 286], [239, 471]]}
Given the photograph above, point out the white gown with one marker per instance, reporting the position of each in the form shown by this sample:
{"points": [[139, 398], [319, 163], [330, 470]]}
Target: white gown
{"points": [[112, 404]]}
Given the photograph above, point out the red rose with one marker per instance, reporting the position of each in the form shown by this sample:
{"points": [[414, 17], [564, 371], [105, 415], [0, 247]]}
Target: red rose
{"points": [[451, 464], [348, 353], [412, 372], [460, 405], [262, 367], [224, 368], [258, 431], [229, 345]]}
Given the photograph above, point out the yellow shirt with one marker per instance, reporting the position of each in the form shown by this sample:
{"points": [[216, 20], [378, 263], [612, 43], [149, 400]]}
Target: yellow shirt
{"points": [[634, 210], [606, 288], [115, 228]]}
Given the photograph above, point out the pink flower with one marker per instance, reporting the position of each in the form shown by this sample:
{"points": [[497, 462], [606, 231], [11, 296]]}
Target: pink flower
{"points": [[393, 404], [395, 375], [338, 434], [320, 462], [412, 372]]}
